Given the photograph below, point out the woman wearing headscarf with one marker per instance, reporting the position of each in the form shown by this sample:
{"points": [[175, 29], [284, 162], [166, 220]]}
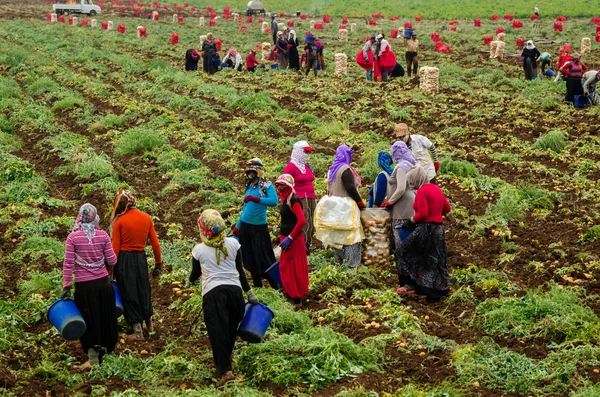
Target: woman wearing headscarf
{"points": [[293, 264], [401, 197], [218, 259], [293, 57], [191, 60], [252, 227], [87, 254], [589, 81], [379, 190], [266, 56], [574, 71], [233, 59], [422, 259], [343, 181], [209, 48], [282, 50], [131, 229], [530, 57], [303, 176]]}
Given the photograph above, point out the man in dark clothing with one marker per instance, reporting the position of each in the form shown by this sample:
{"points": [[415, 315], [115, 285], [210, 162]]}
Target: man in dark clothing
{"points": [[274, 29]]}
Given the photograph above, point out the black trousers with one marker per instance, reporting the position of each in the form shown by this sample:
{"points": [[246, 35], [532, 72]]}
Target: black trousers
{"points": [[410, 60], [223, 308], [312, 64], [131, 272], [257, 252]]}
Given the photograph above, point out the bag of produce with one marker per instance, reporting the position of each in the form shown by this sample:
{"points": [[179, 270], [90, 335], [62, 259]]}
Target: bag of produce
{"points": [[376, 226]]}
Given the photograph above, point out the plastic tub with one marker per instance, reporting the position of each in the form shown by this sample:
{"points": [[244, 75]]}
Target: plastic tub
{"points": [[581, 101], [273, 272], [549, 73], [408, 33], [66, 318], [274, 66], [118, 300], [255, 323]]}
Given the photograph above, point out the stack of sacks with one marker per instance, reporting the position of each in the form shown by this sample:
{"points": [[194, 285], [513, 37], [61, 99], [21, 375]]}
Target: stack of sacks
{"points": [[500, 36], [264, 27], [586, 45], [312, 24], [155, 15], [141, 31], [343, 35], [202, 39], [201, 21], [109, 25], [493, 47], [53, 17], [75, 20], [429, 79], [500, 50], [175, 18], [341, 64], [94, 23], [353, 27]]}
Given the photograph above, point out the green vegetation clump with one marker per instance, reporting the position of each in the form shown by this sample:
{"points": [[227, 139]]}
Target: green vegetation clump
{"points": [[458, 168], [591, 235], [554, 140], [68, 103], [41, 86], [138, 140], [254, 102], [36, 248]]}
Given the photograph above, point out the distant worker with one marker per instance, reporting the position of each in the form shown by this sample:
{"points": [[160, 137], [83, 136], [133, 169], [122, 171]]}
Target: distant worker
{"points": [[546, 59], [251, 61], [589, 81], [382, 49], [233, 59], [365, 58], [293, 57], [282, 50], [530, 56], [536, 10], [191, 60], [574, 71], [412, 58], [563, 58], [274, 29]]}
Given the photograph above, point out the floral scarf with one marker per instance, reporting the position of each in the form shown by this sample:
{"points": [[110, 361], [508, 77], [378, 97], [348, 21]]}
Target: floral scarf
{"points": [[87, 220], [211, 226]]}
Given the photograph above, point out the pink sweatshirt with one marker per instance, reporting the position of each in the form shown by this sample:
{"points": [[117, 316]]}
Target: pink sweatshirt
{"points": [[85, 261], [303, 182]]}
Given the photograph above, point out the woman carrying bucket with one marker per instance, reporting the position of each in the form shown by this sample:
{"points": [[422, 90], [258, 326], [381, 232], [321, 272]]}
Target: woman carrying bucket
{"points": [[130, 229], [293, 264], [87, 252], [218, 259], [422, 263]]}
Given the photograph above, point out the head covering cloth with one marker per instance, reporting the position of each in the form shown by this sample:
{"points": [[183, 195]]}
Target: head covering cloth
{"points": [[130, 203], [403, 156], [288, 180], [212, 226], [299, 156], [417, 177], [343, 156], [385, 161], [233, 52], [87, 220], [530, 45]]}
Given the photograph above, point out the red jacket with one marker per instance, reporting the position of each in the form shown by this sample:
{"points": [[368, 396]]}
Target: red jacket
{"points": [[430, 204], [251, 61]]}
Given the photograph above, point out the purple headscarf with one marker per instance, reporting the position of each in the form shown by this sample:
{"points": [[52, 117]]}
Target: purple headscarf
{"points": [[403, 156], [343, 156]]}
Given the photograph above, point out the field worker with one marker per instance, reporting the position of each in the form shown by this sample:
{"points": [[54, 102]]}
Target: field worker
{"points": [[274, 29], [546, 59], [422, 149], [266, 58], [589, 81], [218, 259], [536, 10], [251, 226], [304, 178], [282, 50], [367, 53], [412, 58], [293, 264], [378, 191], [343, 181], [130, 229], [563, 58], [251, 62], [320, 57], [293, 57], [209, 48], [191, 60], [382, 46], [573, 71], [234, 59], [88, 252], [422, 262], [312, 55], [530, 56], [400, 196]]}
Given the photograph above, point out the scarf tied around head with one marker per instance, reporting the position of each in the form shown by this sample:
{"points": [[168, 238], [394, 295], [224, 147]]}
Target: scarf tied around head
{"points": [[212, 226]]}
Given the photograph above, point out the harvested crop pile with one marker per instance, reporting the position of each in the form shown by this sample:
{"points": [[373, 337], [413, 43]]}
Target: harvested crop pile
{"points": [[429, 79], [376, 246], [343, 35], [353, 27], [341, 64], [586, 45]]}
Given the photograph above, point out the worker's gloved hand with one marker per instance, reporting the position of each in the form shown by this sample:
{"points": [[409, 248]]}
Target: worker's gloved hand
{"points": [[361, 205], [285, 244], [158, 269], [252, 299], [407, 224], [66, 293], [252, 198], [385, 204], [436, 165], [366, 59], [235, 231]]}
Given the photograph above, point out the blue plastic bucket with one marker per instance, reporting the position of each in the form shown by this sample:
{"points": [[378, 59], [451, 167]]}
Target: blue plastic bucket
{"points": [[549, 73], [273, 272], [65, 317], [255, 323], [407, 33], [118, 300], [404, 233], [581, 101], [274, 66]]}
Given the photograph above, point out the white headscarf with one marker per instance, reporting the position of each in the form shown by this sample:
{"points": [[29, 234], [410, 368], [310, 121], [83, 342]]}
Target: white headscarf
{"points": [[299, 156], [291, 34], [530, 45]]}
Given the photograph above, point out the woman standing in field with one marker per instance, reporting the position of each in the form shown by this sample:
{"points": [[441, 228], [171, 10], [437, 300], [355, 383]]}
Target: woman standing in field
{"points": [[574, 71], [401, 196], [293, 264], [530, 56], [131, 229], [87, 252], [344, 182], [191, 60], [379, 190], [294, 59], [209, 48], [303, 176], [252, 227], [422, 263], [218, 259]]}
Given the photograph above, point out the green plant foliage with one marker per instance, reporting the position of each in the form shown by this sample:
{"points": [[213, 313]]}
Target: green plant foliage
{"points": [[34, 249], [41, 86], [68, 103], [138, 140], [554, 140], [459, 168], [40, 283], [591, 235], [254, 102]]}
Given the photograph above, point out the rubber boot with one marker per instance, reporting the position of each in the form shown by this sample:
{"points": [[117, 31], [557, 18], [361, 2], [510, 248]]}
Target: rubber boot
{"points": [[149, 325]]}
